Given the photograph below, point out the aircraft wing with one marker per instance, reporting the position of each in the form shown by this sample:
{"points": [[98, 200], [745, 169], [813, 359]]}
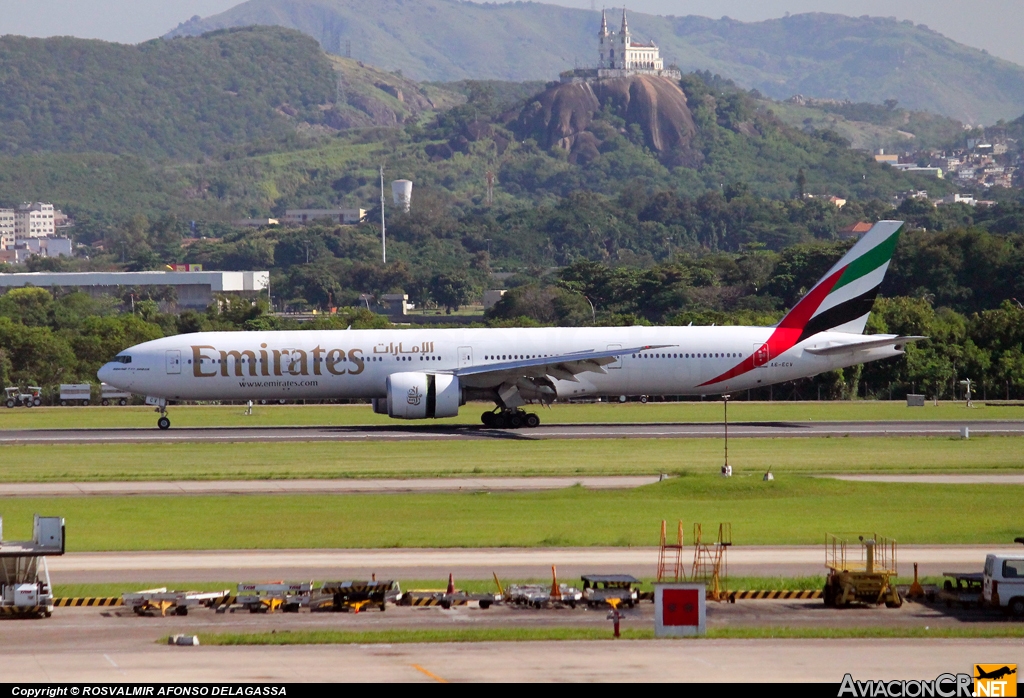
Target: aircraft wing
{"points": [[869, 342], [560, 366]]}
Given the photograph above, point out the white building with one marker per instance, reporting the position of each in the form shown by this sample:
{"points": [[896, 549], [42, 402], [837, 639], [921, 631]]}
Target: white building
{"points": [[305, 216], [34, 221], [193, 289], [6, 228], [620, 52]]}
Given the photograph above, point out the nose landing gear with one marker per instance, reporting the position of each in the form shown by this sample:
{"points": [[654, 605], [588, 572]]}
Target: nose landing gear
{"points": [[164, 422], [510, 419]]}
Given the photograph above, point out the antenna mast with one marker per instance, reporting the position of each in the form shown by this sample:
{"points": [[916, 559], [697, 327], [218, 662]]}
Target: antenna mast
{"points": [[383, 231]]}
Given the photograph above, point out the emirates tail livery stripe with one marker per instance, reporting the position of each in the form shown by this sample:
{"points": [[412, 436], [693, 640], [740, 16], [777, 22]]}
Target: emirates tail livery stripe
{"points": [[840, 298]]}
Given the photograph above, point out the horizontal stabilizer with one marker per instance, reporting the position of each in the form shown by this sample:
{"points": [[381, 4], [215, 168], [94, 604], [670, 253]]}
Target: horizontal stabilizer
{"points": [[862, 343]]}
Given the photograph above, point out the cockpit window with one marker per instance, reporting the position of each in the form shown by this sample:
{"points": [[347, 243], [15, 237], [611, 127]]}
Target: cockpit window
{"points": [[123, 359]]}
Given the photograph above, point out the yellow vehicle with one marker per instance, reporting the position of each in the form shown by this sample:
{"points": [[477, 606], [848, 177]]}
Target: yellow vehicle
{"points": [[863, 571]]}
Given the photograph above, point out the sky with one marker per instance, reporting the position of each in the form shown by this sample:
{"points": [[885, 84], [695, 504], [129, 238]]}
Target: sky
{"points": [[994, 25]]}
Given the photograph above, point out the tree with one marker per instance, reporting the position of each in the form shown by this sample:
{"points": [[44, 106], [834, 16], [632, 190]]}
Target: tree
{"points": [[451, 291]]}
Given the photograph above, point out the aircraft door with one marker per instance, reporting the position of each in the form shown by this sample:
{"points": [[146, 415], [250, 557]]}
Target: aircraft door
{"points": [[465, 357], [618, 359], [761, 355], [173, 361]]}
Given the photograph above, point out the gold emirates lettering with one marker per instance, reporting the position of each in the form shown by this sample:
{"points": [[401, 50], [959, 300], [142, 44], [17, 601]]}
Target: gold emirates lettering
{"points": [[208, 362]]}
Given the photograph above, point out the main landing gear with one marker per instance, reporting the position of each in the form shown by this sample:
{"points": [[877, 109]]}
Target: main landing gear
{"points": [[510, 419]]}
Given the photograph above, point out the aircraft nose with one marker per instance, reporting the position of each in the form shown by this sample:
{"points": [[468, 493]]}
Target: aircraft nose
{"points": [[104, 373]]}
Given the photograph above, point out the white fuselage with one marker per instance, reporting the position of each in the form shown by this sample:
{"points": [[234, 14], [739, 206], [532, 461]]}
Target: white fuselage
{"points": [[356, 363]]}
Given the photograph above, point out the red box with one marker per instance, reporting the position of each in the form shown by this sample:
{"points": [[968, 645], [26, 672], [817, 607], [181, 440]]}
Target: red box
{"points": [[681, 607]]}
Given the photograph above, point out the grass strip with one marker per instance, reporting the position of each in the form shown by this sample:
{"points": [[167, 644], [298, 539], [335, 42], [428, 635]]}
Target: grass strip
{"points": [[561, 634], [520, 456], [631, 412], [788, 511]]}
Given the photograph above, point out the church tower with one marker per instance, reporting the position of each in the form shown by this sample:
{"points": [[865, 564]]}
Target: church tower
{"points": [[624, 42], [606, 52]]}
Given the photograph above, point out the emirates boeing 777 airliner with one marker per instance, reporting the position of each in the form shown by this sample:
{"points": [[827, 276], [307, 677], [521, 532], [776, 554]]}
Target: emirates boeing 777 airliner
{"points": [[424, 373]]}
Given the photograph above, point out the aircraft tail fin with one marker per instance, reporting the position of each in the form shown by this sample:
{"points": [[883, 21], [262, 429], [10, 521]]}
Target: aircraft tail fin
{"points": [[843, 298]]}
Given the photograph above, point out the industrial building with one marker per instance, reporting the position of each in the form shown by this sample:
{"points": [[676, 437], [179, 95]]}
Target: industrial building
{"points": [[193, 289], [305, 216]]}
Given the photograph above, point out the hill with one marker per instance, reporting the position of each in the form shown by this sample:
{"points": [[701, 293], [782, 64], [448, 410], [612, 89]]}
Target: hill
{"points": [[160, 98], [617, 138], [192, 96], [819, 55]]}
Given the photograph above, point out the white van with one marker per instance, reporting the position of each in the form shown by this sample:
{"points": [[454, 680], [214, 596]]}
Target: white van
{"points": [[1004, 583]]}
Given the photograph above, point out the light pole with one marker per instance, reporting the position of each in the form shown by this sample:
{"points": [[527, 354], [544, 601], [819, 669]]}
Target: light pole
{"points": [[967, 383], [383, 235], [726, 469], [593, 310]]}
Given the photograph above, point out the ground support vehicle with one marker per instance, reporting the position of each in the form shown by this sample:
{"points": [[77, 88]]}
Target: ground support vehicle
{"points": [[30, 397], [867, 577], [601, 589], [962, 588], [275, 596], [109, 395], [542, 596], [25, 588], [75, 394], [447, 598], [1004, 583], [161, 600], [355, 595]]}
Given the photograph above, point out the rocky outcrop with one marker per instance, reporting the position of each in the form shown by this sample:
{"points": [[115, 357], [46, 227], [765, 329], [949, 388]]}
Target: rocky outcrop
{"points": [[561, 115]]}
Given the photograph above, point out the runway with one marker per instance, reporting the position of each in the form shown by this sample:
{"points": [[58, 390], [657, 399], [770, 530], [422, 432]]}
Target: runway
{"points": [[417, 485], [709, 661], [349, 486], [741, 430], [466, 563]]}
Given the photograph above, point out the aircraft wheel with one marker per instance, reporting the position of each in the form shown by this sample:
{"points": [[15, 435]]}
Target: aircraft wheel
{"points": [[500, 421], [163, 423], [515, 421], [532, 421], [488, 419]]}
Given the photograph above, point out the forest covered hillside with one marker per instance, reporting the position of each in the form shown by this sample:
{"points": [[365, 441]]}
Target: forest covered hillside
{"points": [[863, 59]]}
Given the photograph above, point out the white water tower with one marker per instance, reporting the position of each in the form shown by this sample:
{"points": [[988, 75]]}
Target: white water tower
{"points": [[401, 190]]}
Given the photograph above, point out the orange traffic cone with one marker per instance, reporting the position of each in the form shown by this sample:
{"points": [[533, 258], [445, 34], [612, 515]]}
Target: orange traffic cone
{"points": [[451, 585]]}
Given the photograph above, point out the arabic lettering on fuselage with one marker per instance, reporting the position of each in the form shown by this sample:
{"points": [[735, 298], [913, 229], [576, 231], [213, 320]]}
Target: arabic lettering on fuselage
{"points": [[209, 362], [390, 348]]}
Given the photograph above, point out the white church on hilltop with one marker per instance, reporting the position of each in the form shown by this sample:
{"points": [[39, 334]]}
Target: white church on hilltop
{"points": [[619, 51], [620, 56]]}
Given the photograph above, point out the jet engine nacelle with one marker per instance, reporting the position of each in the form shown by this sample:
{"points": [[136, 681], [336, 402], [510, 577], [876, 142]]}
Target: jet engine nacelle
{"points": [[420, 396]]}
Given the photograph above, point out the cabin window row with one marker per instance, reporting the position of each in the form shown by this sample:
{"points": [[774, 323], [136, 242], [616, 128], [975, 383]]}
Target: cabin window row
{"points": [[708, 355]]}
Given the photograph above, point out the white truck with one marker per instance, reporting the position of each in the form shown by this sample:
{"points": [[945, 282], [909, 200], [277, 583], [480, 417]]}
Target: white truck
{"points": [[1004, 583], [75, 394]]}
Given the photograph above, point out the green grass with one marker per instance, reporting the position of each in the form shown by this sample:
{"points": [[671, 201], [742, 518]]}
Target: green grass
{"points": [[633, 412], [502, 457], [368, 637], [790, 510]]}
